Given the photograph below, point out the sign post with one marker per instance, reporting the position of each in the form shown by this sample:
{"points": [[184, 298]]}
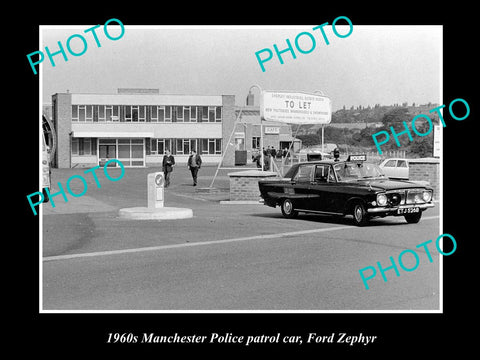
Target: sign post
{"points": [[295, 107], [155, 184]]}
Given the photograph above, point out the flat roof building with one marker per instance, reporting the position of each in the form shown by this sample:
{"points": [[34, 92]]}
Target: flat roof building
{"points": [[137, 126]]}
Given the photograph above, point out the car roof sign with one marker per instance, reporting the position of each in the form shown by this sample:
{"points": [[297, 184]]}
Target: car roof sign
{"points": [[361, 157]]}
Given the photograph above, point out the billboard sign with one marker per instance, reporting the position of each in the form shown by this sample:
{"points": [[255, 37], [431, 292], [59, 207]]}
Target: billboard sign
{"points": [[295, 107]]}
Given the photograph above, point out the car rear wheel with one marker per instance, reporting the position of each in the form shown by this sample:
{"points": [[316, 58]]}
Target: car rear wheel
{"points": [[413, 218], [288, 210], [360, 216]]}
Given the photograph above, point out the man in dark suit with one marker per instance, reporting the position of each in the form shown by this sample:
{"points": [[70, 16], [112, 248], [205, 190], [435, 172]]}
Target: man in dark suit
{"points": [[194, 163], [168, 163]]}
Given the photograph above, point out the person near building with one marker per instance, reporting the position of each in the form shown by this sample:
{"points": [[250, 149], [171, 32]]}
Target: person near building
{"points": [[194, 163], [168, 163], [257, 158], [273, 152]]}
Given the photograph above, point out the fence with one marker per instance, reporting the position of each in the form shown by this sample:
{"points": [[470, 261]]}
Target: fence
{"points": [[281, 165]]}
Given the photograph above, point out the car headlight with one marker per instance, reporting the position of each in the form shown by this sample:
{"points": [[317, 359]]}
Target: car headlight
{"points": [[382, 199], [427, 196]]}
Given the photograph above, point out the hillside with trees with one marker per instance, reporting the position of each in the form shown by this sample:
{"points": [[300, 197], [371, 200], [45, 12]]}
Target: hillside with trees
{"points": [[372, 120]]}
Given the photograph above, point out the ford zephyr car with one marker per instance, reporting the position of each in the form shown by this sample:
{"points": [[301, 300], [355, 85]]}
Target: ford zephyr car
{"points": [[351, 187]]}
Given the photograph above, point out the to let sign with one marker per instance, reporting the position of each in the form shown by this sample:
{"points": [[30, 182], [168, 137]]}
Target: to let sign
{"points": [[295, 107]]}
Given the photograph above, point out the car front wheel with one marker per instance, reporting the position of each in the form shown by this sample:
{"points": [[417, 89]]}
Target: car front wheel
{"points": [[360, 216], [288, 210]]}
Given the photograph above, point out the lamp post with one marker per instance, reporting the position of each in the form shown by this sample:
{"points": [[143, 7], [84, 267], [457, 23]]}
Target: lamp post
{"points": [[262, 159]]}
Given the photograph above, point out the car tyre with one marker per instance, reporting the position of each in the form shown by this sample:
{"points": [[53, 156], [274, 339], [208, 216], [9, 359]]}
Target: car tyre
{"points": [[288, 210], [360, 215], [46, 198], [413, 218]]}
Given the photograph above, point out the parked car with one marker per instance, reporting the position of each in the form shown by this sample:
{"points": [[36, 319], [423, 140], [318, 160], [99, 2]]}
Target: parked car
{"points": [[351, 187], [395, 168]]}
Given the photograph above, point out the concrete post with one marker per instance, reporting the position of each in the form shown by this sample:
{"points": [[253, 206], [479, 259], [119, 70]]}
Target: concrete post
{"points": [[155, 187]]}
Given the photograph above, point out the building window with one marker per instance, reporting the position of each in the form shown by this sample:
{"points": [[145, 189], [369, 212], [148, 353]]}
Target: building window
{"points": [[81, 113], [211, 114], [74, 112], [153, 113], [111, 113], [159, 146], [204, 113], [186, 113], [184, 146], [255, 142], [101, 113], [128, 113], [74, 146], [83, 146], [168, 113], [131, 152], [193, 113], [211, 146], [135, 113], [89, 113], [179, 113]]}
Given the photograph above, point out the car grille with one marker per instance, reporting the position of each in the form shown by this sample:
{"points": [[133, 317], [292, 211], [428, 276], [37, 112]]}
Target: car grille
{"points": [[405, 197]]}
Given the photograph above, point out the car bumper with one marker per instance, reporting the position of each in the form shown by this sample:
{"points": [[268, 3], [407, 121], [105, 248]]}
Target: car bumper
{"points": [[380, 209]]}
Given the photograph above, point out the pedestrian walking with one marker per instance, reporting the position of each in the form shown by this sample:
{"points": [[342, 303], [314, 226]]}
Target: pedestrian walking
{"points": [[168, 163], [194, 163], [257, 158]]}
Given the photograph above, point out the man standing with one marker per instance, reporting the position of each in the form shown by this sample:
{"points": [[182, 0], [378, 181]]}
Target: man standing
{"points": [[194, 163], [168, 163]]}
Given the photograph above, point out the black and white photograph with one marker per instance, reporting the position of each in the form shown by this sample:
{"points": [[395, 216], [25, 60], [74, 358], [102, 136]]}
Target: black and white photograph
{"points": [[195, 176], [350, 182]]}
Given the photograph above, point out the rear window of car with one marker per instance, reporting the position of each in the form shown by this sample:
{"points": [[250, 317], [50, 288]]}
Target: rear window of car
{"points": [[304, 173]]}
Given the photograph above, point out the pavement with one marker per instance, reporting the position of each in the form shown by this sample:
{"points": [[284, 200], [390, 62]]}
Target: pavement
{"points": [[228, 257]]}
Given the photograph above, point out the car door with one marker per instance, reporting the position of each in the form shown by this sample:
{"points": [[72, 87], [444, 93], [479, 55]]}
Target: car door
{"points": [[325, 187], [318, 188], [402, 169], [300, 189], [389, 168]]}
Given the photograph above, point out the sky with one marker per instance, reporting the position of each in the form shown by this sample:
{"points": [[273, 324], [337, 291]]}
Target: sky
{"points": [[374, 64]]}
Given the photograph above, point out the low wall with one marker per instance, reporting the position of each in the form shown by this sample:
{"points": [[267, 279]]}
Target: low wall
{"points": [[426, 169], [244, 184]]}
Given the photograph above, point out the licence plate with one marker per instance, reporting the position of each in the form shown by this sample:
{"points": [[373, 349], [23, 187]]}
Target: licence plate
{"points": [[409, 210]]}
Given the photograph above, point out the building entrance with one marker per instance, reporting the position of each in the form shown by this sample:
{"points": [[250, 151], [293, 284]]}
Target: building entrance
{"points": [[105, 153], [131, 152]]}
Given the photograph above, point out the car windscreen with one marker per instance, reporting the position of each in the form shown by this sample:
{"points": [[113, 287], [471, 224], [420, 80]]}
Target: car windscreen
{"points": [[357, 171]]}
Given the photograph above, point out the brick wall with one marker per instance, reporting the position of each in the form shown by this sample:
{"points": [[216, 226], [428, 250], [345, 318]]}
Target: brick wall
{"points": [[427, 169], [244, 184]]}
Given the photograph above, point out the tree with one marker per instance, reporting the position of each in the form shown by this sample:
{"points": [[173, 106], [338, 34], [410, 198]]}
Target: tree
{"points": [[422, 146], [310, 139], [395, 116]]}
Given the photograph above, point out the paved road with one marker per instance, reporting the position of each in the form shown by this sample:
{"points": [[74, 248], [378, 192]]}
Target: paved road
{"points": [[228, 257]]}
